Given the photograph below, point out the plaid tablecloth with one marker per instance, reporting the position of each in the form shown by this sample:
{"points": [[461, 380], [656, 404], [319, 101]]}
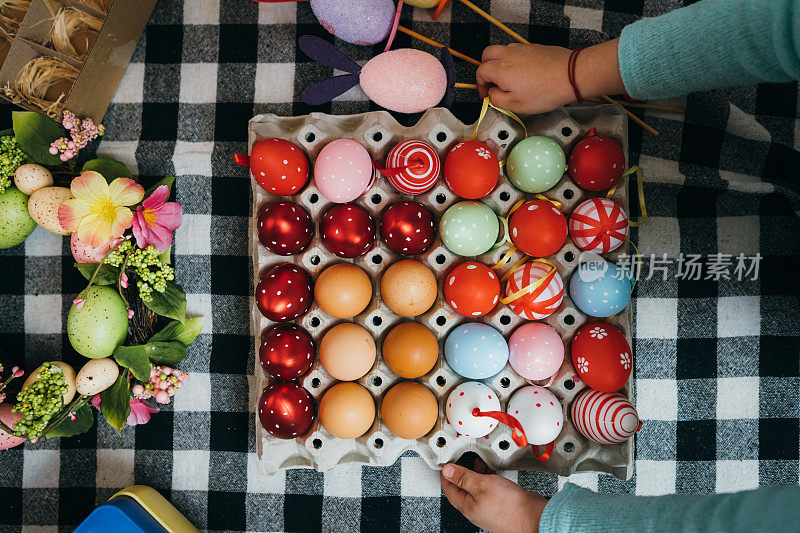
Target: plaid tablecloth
{"points": [[716, 361]]}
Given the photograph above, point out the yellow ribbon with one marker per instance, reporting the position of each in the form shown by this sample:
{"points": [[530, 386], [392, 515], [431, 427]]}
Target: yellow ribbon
{"points": [[506, 257], [485, 107], [532, 286], [640, 190]]}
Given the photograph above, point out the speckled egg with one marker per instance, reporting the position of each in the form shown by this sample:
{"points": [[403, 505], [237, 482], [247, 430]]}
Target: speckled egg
{"points": [[363, 22], [600, 288], [16, 223], [404, 80], [343, 171], [539, 412], [43, 206], [69, 379], [96, 376], [31, 177], [469, 228], [536, 164], [475, 350], [460, 403], [100, 325], [9, 419], [86, 253]]}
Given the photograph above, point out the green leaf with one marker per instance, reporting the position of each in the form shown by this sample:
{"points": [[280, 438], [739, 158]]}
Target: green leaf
{"points": [[166, 353], [184, 333], [167, 180], [69, 428], [107, 275], [9, 131], [115, 403], [136, 359], [35, 133], [111, 169], [165, 255], [171, 303]]}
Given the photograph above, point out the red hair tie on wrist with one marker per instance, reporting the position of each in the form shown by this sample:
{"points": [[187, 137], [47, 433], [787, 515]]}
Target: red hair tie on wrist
{"points": [[573, 58]]}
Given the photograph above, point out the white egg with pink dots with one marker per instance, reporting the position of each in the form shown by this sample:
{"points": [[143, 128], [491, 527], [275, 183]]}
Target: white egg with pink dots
{"points": [[539, 412], [460, 404]]}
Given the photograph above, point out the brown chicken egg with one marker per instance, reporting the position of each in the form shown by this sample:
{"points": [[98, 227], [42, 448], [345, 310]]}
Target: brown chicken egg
{"points": [[408, 287], [347, 410], [410, 350], [347, 351], [343, 290], [409, 410]]}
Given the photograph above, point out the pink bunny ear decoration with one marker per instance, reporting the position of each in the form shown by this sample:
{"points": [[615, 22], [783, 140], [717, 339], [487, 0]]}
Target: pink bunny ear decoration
{"points": [[404, 80]]}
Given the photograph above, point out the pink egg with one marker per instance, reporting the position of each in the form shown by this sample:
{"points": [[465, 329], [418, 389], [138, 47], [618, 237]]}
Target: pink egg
{"points": [[536, 351], [85, 253], [404, 80], [8, 418], [343, 171]]}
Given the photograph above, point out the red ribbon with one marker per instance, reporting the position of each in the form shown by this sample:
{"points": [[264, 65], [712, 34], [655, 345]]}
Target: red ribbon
{"points": [[241, 159], [389, 172], [517, 433], [548, 451]]}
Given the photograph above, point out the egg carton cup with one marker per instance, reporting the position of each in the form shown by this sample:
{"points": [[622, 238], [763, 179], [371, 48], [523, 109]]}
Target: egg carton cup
{"points": [[378, 131]]}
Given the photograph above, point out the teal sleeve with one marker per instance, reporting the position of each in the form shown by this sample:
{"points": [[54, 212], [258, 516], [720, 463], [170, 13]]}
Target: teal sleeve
{"points": [[711, 44], [575, 509]]}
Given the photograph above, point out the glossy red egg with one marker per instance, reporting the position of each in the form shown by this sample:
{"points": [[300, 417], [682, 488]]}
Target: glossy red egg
{"points": [[596, 163], [602, 356], [538, 228], [284, 293], [347, 230], [408, 228], [286, 352], [284, 228], [471, 169], [278, 166], [286, 410]]}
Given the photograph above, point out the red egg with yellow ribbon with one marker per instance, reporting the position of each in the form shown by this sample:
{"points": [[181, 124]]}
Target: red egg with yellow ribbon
{"points": [[472, 289], [538, 228], [534, 291], [471, 169]]}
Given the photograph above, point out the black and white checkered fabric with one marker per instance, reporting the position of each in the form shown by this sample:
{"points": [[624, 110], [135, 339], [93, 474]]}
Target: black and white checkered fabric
{"points": [[716, 362]]}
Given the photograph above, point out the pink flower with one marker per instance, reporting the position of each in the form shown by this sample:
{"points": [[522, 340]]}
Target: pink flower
{"points": [[140, 411], [156, 219], [78, 303], [130, 314]]}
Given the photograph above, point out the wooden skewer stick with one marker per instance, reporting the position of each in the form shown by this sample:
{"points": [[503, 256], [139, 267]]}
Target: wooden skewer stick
{"points": [[634, 118], [641, 105], [460, 85], [494, 21], [437, 45]]}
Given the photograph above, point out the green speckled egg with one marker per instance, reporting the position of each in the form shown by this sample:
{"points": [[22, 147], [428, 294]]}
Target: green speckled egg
{"points": [[16, 223], [469, 228], [100, 325], [536, 164]]}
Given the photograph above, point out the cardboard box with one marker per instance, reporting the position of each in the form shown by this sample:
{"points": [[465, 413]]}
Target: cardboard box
{"points": [[98, 76]]}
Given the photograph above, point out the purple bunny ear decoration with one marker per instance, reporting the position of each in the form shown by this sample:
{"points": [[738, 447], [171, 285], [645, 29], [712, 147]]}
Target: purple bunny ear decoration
{"points": [[326, 90], [450, 70], [324, 52]]}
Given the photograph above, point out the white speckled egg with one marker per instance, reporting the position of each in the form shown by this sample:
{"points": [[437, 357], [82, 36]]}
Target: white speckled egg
{"points": [[31, 177], [43, 206], [96, 376], [539, 412], [69, 378], [466, 397]]}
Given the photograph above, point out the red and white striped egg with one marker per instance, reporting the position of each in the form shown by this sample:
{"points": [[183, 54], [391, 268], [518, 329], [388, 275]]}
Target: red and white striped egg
{"points": [[539, 412], [466, 397], [606, 418], [424, 167], [598, 225], [542, 301]]}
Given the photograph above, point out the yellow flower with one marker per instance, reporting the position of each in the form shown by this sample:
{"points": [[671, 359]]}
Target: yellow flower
{"points": [[98, 210]]}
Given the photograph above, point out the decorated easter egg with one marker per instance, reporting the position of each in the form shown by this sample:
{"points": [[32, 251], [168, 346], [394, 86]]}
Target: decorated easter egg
{"points": [[542, 298], [96, 376], [409, 410], [284, 293], [97, 322], [538, 228], [607, 418], [602, 356], [343, 171], [43, 206], [462, 400], [408, 228], [286, 410], [347, 410], [536, 351], [405, 80], [286, 351], [343, 290], [56, 366], [471, 169], [472, 289], [412, 167], [475, 350], [284, 228], [536, 164], [360, 22], [539, 412], [347, 230], [31, 177], [596, 163], [84, 252], [278, 166], [408, 288], [16, 223], [600, 288], [9, 419], [469, 228], [598, 225]]}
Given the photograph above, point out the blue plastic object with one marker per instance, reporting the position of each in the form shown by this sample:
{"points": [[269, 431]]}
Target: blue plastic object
{"points": [[120, 515]]}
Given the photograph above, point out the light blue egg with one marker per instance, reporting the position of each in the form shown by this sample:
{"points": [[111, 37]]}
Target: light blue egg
{"points": [[601, 294], [476, 351]]}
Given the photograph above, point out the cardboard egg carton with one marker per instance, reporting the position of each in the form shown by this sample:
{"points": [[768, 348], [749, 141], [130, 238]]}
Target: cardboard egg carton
{"points": [[378, 131]]}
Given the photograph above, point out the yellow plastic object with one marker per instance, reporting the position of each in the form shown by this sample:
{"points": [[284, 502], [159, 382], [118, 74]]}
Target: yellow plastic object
{"points": [[425, 4], [159, 508]]}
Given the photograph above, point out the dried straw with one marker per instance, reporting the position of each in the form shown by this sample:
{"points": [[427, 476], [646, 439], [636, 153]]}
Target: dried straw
{"points": [[12, 12], [101, 6], [68, 23], [36, 78]]}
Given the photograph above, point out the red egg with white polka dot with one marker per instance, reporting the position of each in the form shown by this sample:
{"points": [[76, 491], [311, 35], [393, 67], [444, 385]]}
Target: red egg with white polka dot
{"points": [[598, 225], [602, 356], [284, 228], [408, 228], [472, 289], [286, 352], [539, 412], [596, 163], [460, 405], [286, 410], [284, 293], [538, 228], [278, 166]]}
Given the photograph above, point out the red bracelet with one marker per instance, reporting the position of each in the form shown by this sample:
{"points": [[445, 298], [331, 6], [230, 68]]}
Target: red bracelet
{"points": [[573, 58]]}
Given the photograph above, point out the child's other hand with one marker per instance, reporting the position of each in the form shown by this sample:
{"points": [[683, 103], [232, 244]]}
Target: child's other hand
{"points": [[525, 78], [491, 502]]}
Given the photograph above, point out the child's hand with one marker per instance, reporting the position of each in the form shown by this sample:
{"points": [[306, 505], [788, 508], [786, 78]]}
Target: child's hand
{"points": [[492, 502]]}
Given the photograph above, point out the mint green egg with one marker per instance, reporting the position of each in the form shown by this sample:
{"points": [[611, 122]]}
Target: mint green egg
{"points": [[469, 228], [536, 164], [16, 223], [100, 325]]}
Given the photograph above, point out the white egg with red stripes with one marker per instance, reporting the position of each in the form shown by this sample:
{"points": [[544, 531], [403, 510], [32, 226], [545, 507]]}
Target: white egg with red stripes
{"points": [[598, 225], [544, 294], [412, 167], [605, 418], [462, 403]]}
